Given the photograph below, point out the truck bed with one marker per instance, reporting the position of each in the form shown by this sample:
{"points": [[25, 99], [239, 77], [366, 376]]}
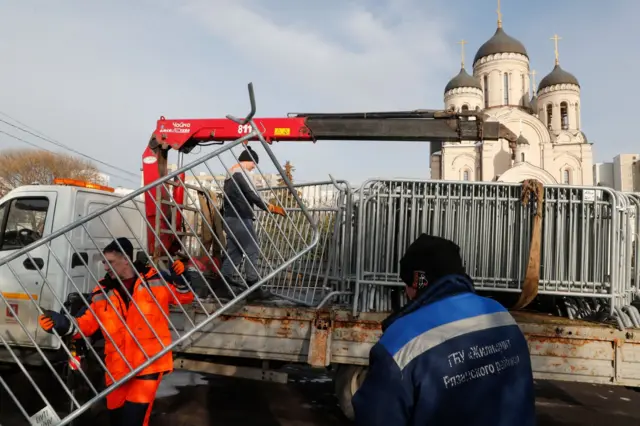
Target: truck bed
{"points": [[561, 349]]}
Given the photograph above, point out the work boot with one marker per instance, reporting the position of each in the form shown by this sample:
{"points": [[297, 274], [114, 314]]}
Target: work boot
{"points": [[221, 289], [259, 294]]}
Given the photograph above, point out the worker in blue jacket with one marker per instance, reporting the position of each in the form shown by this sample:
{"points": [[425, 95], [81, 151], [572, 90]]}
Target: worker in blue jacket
{"points": [[449, 357]]}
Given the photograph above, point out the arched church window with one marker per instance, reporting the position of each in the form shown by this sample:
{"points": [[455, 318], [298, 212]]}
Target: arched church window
{"points": [[522, 89], [522, 157], [506, 88], [549, 116], [477, 107], [465, 175], [564, 115], [577, 116], [566, 177], [486, 91], [465, 107]]}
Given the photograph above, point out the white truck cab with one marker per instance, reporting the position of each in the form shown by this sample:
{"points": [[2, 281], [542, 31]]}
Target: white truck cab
{"points": [[32, 212]]}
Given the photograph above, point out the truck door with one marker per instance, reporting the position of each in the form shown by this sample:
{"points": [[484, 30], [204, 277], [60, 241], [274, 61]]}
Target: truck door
{"points": [[24, 220], [87, 202]]}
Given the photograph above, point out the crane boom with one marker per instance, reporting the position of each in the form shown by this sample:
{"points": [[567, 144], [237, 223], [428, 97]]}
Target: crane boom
{"points": [[418, 125]]}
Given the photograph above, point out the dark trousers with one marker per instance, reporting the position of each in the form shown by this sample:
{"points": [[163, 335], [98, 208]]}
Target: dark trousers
{"points": [[241, 240]]}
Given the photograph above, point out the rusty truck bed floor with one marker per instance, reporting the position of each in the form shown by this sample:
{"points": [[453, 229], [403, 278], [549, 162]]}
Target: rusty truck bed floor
{"points": [[280, 308]]}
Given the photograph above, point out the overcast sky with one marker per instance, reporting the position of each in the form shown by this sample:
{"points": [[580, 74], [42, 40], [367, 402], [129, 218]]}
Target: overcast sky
{"points": [[97, 75]]}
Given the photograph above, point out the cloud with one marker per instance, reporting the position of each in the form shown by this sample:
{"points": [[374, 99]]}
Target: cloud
{"points": [[97, 76], [352, 56]]}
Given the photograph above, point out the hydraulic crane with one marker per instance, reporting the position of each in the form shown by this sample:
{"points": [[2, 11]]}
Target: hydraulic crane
{"points": [[183, 135], [435, 126]]}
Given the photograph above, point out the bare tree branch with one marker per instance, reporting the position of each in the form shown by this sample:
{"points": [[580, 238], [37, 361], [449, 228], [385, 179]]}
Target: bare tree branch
{"points": [[30, 166]]}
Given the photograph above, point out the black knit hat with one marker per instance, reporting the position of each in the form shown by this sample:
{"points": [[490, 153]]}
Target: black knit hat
{"points": [[429, 258], [248, 155], [127, 247]]}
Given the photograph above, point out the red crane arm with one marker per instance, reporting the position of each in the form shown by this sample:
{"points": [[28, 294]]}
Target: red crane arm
{"points": [[179, 133]]}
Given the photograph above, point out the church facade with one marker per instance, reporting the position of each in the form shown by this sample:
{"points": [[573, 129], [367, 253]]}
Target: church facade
{"points": [[553, 149]]}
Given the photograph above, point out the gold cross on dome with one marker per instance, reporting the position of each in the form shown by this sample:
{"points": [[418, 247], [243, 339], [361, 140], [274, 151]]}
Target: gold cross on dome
{"points": [[555, 39], [462, 43], [499, 15]]}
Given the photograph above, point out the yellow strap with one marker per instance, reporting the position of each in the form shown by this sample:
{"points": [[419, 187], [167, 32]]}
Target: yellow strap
{"points": [[532, 191]]}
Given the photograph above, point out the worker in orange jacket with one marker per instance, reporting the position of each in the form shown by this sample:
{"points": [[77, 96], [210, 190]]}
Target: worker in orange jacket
{"points": [[131, 403]]}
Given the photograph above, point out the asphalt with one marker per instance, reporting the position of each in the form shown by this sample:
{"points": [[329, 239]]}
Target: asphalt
{"points": [[197, 400]]}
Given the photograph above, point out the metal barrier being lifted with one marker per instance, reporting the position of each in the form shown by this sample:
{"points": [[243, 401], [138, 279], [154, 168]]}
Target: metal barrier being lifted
{"points": [[46, 283]]}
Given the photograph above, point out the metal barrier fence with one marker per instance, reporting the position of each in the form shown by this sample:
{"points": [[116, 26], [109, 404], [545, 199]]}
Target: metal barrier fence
{"points": [[635, 243], [586, 241], [629, 272], [321, 273], [39, 271], [588, 250], [588, 256]]}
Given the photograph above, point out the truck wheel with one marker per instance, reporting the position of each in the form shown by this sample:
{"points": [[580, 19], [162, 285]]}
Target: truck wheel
{"points": [[347, 381]]}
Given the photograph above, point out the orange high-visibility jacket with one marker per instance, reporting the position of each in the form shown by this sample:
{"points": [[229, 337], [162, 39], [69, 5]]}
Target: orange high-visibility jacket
{"points": [[115, 333]]}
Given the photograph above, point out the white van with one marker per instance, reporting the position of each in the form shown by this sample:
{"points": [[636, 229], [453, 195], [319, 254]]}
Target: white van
{"points": [[32, 212]]}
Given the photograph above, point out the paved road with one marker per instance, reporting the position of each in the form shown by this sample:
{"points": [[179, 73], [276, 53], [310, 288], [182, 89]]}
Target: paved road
{"points": [[195, 400], [308, 400]]}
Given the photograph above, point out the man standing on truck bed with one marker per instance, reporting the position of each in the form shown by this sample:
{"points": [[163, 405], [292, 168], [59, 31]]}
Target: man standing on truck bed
{"points": [[450, 356], [131, 403], [238, 217]]}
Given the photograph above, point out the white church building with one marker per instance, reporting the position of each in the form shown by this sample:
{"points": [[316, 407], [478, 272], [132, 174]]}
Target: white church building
{"points": [[553, 148]]}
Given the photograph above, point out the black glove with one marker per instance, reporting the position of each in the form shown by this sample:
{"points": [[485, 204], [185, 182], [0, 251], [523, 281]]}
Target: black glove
{"points": [[51, 320], [179, 275]]}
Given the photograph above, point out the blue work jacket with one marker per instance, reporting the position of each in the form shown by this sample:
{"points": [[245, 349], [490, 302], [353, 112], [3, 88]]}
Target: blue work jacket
{"points": [[450, 357]]}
